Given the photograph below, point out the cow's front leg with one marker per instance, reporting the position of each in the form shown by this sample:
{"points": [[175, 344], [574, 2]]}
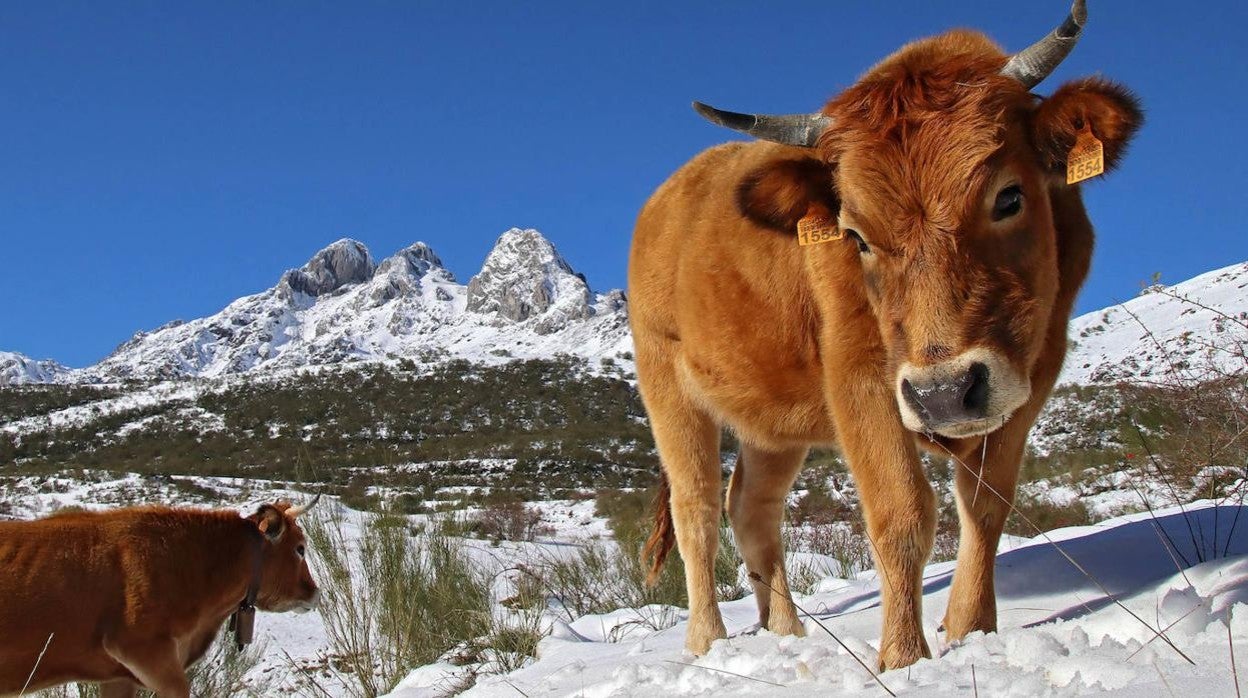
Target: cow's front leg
{"points": [[155, 662], [898, 504], [983, 507]]}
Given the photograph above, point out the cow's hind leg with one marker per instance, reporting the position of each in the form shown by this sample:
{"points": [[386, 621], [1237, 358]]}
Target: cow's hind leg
{"points": [[688, 444], [756, 497]]}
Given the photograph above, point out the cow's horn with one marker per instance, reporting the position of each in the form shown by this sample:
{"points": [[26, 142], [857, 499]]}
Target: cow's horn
{"points": [[303, 508], [1034, 63], [791, 129]]}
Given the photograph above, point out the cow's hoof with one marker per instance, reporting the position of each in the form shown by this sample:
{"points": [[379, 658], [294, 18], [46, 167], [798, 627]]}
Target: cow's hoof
{"points": [[902, 653], [786, 624], [699, 638], [956, 628]]}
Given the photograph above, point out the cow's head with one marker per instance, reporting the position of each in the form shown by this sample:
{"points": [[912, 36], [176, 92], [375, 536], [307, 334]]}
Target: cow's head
{"points": [[938, 167], [285, 582]]}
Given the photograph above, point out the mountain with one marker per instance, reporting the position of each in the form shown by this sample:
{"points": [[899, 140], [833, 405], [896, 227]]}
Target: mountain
{"points": [[527, 302], [19, 369], [1198, 328]]}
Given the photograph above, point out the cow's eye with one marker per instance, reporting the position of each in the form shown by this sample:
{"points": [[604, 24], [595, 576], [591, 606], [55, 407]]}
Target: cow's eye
{"points": [[1009, 202], [300, 550], [863, 247]]}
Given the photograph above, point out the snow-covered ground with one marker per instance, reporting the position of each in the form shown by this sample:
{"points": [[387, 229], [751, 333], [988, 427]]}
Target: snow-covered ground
{"points": [[1060, 634]]}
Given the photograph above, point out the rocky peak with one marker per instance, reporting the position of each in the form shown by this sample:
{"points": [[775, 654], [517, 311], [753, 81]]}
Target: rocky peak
{"points": [[416, 260], [411, 272], [19, 369], [524, 277], [343, 262]]}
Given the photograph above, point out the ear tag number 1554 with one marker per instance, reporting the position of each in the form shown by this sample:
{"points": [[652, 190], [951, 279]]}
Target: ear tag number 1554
{"points": [[812, 230], [1086, 158]]}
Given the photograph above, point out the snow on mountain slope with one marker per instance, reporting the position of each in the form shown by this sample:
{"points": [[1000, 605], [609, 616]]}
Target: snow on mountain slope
{"points": [[19, 369], [340, 307], [1186, 327]]}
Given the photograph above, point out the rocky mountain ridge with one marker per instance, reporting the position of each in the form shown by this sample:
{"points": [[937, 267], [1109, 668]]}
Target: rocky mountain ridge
{"points": [[18, 369], [341, 307]]}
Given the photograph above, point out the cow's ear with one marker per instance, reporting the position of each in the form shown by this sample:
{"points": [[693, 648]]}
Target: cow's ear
{"points": [[1109, 109], [777, 194], [271, 521]]}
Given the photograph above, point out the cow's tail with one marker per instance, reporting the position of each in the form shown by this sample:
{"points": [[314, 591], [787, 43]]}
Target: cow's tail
{"points": [[663, 537]]}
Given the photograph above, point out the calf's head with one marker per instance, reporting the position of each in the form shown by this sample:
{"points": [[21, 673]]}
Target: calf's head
{"points": [[937, 168], [285, 582]]}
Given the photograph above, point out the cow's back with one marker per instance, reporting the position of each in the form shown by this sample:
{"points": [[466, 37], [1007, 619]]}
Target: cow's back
{"points": [[99, 581], [61, 576]]}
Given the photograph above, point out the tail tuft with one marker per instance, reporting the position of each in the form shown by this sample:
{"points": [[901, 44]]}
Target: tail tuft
{"points": [[663, 537]]}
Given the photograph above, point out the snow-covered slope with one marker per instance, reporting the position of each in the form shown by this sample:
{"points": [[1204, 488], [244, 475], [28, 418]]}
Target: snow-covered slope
{"points": [[1193, 327], [341, 307], [19, 369], [1060, 634]]}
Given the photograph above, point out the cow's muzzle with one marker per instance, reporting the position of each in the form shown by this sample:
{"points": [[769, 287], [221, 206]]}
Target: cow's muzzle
{"points": [[974, 393]]}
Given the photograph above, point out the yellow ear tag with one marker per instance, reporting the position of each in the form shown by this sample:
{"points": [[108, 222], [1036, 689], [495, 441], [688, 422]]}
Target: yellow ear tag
{"points": [[1086, 158], [814, 228]]}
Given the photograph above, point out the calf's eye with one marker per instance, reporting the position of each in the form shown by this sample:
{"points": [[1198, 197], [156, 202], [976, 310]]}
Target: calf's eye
{"points": [[1009, 202], [300, 551], [863, 248]]}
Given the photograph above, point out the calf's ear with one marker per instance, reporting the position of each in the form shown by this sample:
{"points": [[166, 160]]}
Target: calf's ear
{"points": [[1110, 110], [271, 521], [778, 194]]}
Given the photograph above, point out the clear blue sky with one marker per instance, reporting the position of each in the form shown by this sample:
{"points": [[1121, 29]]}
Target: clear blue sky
{"points": [[160, 159]]}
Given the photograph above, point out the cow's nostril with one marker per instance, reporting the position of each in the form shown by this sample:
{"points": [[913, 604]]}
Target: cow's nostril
{"points": [[912, 397], [975, 401]]}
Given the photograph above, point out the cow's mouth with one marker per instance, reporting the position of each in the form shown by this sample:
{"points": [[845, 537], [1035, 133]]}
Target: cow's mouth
{"points": [[964, 430]]}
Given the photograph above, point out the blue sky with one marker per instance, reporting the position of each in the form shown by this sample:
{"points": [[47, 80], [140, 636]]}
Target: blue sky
{"points": [[161, 159]]}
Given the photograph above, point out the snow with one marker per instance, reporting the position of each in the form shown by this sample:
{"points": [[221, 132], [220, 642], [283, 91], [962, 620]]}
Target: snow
{"points": [[19, 369], [1177, 328], [1059, 633]]}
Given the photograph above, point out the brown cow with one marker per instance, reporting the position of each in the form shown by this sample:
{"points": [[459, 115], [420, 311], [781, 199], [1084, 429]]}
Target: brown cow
{"points": [[932, 316], [132, 597]]}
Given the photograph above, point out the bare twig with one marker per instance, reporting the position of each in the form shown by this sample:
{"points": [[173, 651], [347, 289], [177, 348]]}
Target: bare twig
{"points": [[306, 674], [725, 671], [1230, 644], [1239, 508], [1171, 625], [1066, 555], [35, 668], [514, 687], [758, 578], [1152, 458], [1166, 541], [1164, 682]]}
